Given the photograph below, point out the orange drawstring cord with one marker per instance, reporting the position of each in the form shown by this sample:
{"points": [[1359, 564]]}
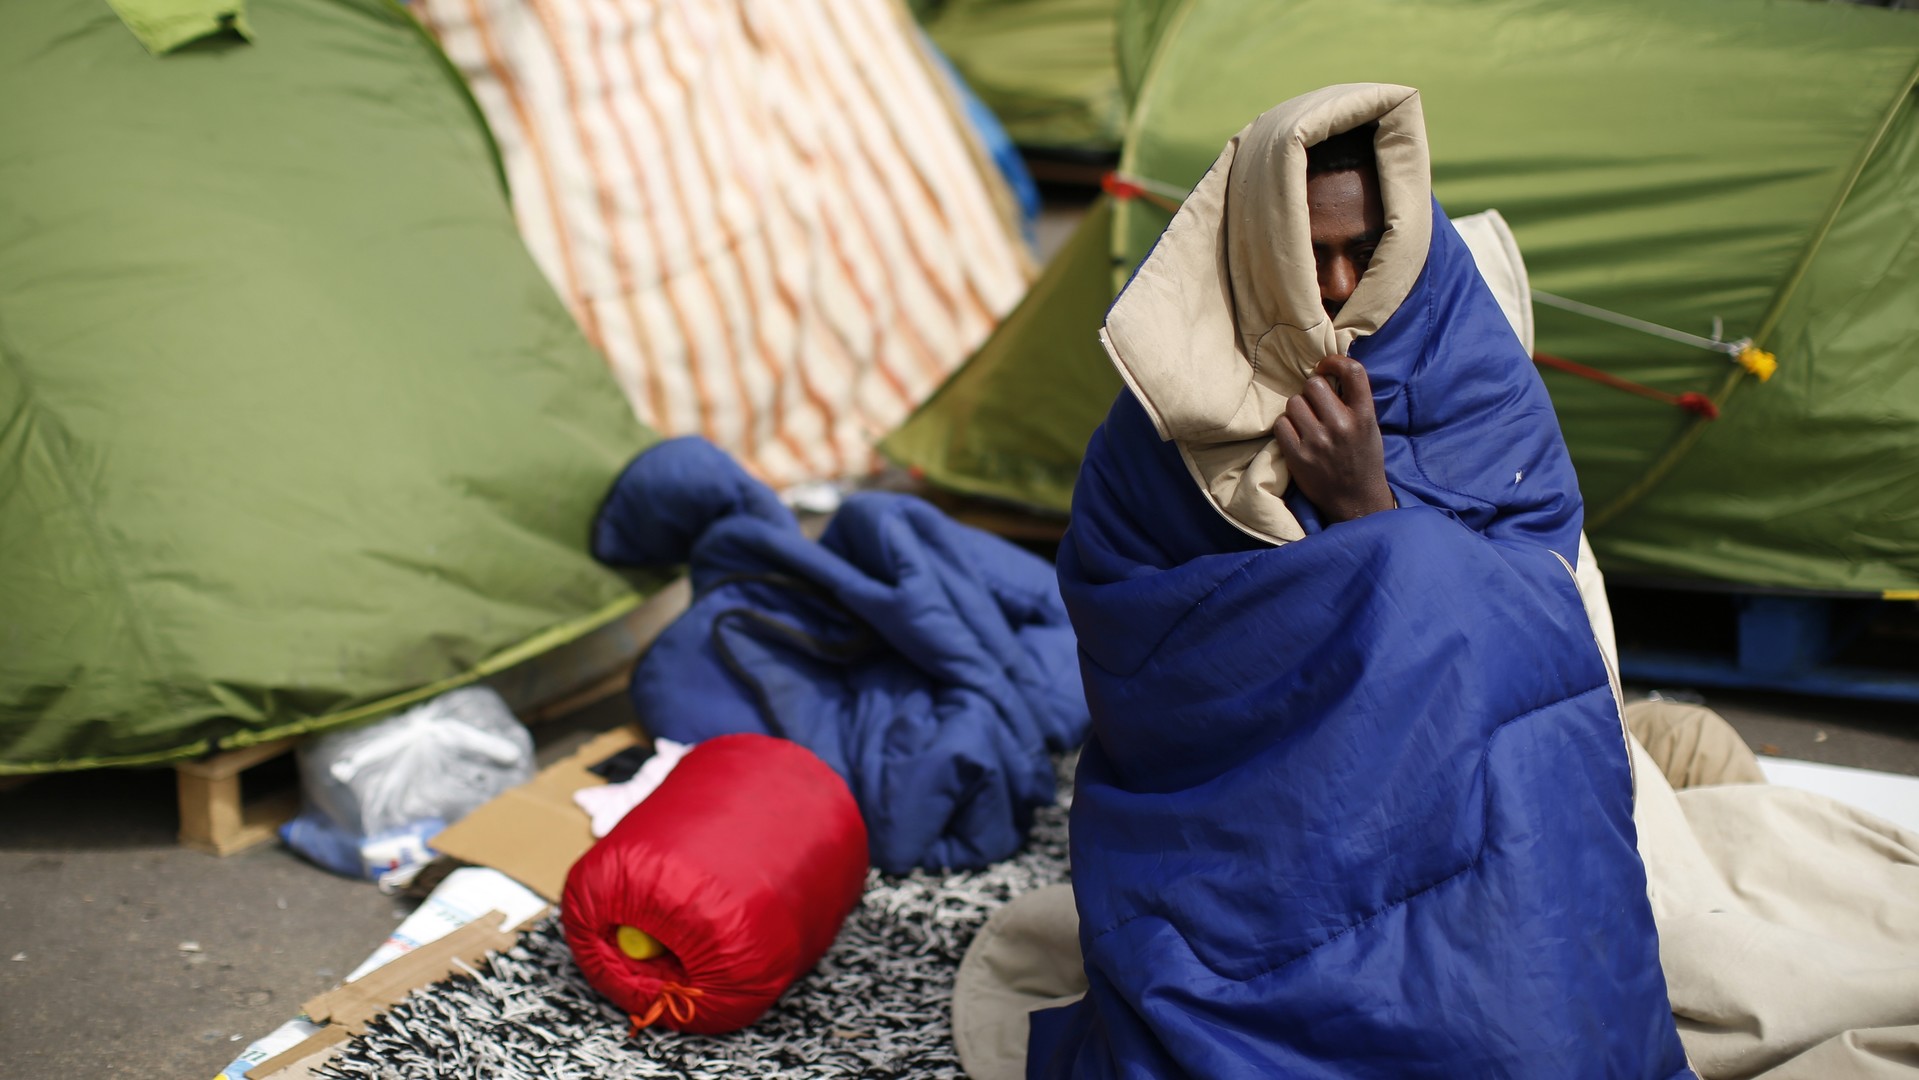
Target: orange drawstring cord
{"points": [[675, 1001]]}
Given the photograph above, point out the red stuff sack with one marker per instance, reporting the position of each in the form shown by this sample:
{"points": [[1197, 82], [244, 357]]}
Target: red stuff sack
{"points": [[726, 884]]}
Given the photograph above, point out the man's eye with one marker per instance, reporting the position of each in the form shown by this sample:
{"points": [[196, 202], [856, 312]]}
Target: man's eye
{"points": [[1363, 257]]}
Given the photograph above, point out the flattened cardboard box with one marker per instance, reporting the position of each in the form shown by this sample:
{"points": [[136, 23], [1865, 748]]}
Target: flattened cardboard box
{"points": [[532, 833], [346, 1008]]}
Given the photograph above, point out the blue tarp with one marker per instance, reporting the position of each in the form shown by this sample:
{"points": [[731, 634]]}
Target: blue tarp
{"points": [[1358, 805], [993, 138], [930, 664]]}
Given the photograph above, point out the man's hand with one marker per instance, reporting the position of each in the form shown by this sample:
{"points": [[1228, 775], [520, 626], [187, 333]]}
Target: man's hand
{"points": [[1330, 439]]}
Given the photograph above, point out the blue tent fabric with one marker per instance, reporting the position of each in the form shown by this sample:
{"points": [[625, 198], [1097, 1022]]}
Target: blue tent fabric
{"points": [[1358, 805], [929, 663], [997, 143]]}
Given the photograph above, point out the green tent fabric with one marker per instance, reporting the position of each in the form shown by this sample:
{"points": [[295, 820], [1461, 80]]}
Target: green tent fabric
{"points": [[292, 431], [1045, 67], [1013, 422], [1673, 162], [165, 25]]}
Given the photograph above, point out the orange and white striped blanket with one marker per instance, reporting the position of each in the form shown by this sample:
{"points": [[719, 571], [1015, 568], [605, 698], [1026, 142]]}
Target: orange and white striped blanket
{"points": [[767, 214]]}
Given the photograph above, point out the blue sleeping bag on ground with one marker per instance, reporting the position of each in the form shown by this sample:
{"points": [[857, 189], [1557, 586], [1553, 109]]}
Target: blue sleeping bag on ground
{"points": [[1357, 805], [930, 664]]}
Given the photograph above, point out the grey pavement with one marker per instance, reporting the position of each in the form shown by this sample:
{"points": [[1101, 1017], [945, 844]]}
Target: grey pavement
{"points": [[123, 954]]}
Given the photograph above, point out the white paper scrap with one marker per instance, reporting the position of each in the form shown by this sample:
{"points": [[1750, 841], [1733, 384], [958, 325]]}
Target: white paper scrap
{"points": [[1893, 797]]}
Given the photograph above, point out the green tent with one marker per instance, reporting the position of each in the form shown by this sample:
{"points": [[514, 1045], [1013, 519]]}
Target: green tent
{"points": [[1754, 162], [292, 431], [1045, 67]]}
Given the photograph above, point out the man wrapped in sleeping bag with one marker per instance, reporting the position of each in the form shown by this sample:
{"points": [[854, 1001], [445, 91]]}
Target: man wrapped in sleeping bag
{"points": [[1357, 799]]}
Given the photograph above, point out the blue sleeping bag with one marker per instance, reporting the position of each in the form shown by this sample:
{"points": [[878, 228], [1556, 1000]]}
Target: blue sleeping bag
{"points": [[1357, 805], [930, 664]]}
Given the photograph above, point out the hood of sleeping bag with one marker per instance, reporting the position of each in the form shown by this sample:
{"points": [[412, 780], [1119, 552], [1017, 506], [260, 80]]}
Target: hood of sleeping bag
{"points": [[1355, 804], [928, 663], [292, 432]]}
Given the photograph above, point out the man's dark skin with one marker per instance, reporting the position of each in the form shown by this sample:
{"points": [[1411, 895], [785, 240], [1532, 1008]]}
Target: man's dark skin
{"points": [[1328, 433]]}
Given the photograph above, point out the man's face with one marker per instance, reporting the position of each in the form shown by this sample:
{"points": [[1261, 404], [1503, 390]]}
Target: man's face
{"points": [[1347, 220]]}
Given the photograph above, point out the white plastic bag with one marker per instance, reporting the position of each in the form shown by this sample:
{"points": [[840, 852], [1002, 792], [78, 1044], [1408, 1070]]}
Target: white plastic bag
{"points": [[440, 759]]}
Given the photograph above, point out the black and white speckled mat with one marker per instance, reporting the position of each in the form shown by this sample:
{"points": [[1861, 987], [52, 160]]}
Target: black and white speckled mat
{"points": [[878, 1005]]}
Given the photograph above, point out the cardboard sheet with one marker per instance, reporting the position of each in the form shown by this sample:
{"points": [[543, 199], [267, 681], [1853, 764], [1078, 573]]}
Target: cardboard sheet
{"points": [[347, 1008], [534, 832]]}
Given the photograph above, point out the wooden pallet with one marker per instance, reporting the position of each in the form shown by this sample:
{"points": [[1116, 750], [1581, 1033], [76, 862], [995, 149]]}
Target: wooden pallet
{"points": [[216, 816], [1014, 523], [1844, 646], [592, 668]]}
